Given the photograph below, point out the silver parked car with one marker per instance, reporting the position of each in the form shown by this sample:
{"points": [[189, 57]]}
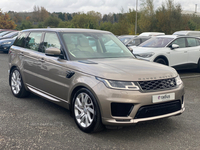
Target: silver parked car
{"points": [[95, 76]]}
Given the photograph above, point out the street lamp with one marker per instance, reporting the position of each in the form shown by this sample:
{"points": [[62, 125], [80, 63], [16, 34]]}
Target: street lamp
{"points": [[136, 18]]}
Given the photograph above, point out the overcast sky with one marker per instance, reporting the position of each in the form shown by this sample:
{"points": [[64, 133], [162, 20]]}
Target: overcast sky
{"points": [[102, 6]]}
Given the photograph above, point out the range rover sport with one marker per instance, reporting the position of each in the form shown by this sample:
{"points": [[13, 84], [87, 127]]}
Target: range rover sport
{"points": [[95, 76]]}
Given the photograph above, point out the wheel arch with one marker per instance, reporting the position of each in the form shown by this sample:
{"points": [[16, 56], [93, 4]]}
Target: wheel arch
{"points": [[75, 89], [163, 57], [13, 67]]}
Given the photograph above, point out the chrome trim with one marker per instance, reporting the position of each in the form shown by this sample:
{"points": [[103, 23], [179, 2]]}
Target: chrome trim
{"points": [[44, 94], [129, 120]]}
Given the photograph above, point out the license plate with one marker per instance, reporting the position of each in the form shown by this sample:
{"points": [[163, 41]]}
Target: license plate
{"points": [[163, 97]]}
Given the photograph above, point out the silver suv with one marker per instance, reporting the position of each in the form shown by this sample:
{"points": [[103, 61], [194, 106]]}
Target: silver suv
{"points": [[95, 76]]}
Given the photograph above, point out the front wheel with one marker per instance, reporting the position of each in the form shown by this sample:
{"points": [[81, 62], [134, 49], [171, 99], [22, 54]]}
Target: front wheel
{"points": [[17, 85], [198, 67], [161, 61], [86, 111]]}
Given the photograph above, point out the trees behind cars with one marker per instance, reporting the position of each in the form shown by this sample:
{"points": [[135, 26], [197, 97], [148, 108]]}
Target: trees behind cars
{"points": [[6, 22]]}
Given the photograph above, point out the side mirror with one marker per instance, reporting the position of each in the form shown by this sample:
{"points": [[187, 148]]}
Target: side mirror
{"points": [[52, 51], [174, 46]]}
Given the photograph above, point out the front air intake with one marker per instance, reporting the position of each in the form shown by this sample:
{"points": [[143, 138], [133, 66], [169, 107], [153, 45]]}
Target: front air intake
{"points": [[121, 109]]}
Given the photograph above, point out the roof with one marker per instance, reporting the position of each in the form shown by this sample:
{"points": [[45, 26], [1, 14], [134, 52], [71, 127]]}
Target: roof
{"points": [[65, 30], [187, 32], [151, 33]]}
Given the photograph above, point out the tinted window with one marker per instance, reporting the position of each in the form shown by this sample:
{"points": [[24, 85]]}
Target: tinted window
{"points": [[191, 42], [198, 41], [20, 40], [144, 39], [33, 41], [51, 40], [125, 39], [135, 42], [180, 42], [156, 42]]}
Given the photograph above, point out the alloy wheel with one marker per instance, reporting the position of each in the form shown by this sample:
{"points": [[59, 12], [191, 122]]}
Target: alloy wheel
{"points": [[84, 110]]}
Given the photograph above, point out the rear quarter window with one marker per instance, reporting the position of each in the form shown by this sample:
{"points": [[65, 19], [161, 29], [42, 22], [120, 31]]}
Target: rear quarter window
{"points": [[192, 42], [20, 40]]}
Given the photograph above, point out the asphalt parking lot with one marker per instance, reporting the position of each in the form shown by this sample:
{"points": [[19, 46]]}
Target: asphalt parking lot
{"points": [[34, 123]]}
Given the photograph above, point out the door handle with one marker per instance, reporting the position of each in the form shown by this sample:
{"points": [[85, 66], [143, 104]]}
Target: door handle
{"points": [[41, 60]]}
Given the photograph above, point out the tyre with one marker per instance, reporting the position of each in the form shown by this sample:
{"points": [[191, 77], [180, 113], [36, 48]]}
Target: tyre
{"points": [[198, 67], [17, 85], [160, 61], [86, 111]]}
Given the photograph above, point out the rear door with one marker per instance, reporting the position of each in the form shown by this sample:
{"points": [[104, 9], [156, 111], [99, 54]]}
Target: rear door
{"points": [[30, 58], [193, 46]]}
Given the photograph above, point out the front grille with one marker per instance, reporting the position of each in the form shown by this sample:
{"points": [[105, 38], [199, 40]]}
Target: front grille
{"points": [[158, 109], [157, 85]]}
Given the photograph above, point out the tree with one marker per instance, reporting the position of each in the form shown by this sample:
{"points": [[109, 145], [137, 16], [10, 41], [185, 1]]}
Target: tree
{"points": [[52, 22], [147, 21], [6, 22], [26, 24], [169, 18]]}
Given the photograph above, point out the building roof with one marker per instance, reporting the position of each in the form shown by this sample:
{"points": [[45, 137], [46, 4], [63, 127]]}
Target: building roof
{"points": [[184, 12]]}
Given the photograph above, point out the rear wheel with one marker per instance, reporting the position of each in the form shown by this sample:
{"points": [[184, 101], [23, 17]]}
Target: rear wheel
{"points": [[86, 111], [17, 85], [161, 61]]}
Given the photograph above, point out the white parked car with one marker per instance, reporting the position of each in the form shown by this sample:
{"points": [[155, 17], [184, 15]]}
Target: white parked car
{"points": [[187, 33], [180, 52], [151, 34]]}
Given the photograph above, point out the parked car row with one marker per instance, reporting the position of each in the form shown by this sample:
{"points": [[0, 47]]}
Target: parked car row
{"points": [[7, 38], [180, 50]]}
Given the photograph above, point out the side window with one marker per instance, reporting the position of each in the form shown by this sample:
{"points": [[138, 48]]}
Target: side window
{"points": [[33, 41], [180, 42], [135, 42], [51, 40], [144, 40], [191, 42], [198, 42], [20, 40]]}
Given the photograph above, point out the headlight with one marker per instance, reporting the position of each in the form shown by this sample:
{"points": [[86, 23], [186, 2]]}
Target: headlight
{"points": [[178, 81], [145, 55], [6, 43], [123, 85]]}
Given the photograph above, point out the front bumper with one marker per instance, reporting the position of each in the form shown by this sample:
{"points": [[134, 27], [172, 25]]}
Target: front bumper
{"points": [[4, 48], [138, 99]]}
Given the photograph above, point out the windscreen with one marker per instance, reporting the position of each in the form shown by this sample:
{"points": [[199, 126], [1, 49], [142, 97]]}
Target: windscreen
{"points": [[124, 39], [94, 45], [156, 42]]}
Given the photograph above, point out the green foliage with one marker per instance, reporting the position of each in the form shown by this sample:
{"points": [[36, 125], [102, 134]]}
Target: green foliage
{"points": [[192, 25], [6, 22], [52, 22], [167, 18], [65, 24], [107, 26], [25, 25]]}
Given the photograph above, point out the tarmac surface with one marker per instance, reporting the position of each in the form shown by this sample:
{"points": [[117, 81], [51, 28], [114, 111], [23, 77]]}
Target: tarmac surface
{"points": [[34, 123]]}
